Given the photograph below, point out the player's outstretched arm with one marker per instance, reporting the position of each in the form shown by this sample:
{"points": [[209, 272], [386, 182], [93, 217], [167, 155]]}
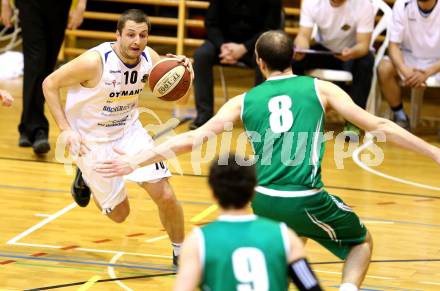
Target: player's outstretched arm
{"points": [[190, 269], [334, 97], [175, 146]]}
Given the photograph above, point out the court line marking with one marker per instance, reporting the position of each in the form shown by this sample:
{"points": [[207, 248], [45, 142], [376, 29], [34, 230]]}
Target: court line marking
{"points": [[111, 271], [41, 223], [94, 250], [368, 276], [64, 191], [89, 283], [357, 160], [102, 281], [41, 215], [208, 210], [430, 283], [377, 222], [204, 213], [154, 239], [14, 240], [205, 176], [91, 263]]}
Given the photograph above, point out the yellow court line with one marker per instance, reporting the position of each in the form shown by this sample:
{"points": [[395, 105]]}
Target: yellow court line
{"points": [[204, 213], [89, 283]]}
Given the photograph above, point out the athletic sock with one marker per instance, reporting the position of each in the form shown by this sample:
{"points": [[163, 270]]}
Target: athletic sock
{"points": [[176, 248], [348, 287]]}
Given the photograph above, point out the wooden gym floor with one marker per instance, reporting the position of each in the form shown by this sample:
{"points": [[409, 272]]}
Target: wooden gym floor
{"points": [[46, 242]]}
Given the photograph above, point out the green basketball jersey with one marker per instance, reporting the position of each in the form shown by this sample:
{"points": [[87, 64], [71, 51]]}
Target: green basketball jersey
{"points": [[244, 253], [284, 120]]}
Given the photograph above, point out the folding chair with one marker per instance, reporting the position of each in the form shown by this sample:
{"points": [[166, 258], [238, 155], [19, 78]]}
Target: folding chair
{"points": [[417, 100]]}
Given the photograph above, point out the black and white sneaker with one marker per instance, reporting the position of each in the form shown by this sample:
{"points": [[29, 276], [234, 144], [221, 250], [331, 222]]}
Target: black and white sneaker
{"points": [[80, 191]]}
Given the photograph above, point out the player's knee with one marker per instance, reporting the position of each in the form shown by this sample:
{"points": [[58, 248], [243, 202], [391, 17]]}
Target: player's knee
{"points": [[369, 240], [118, 217], [120, 213], [167, 198]]}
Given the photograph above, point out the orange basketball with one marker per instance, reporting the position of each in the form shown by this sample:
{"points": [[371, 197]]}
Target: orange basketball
{"points": [[169, 79]]}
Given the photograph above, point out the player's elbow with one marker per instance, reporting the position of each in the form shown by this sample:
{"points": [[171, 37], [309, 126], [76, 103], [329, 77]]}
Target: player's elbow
{"points": [[48, 85]]}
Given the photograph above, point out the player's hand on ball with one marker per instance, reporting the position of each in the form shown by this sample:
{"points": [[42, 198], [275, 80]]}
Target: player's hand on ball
{"points": [[119, 166], [186, 62], [184, 59]]}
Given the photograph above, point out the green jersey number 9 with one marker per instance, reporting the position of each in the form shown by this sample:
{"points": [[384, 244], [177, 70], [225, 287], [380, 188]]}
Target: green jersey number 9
{"points": [[250, 269]]}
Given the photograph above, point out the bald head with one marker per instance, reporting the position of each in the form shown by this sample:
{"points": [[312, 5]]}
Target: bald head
{"points": [[275, 48]]}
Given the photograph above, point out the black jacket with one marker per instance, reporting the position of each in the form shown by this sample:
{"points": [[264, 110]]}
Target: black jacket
{"points": [[241, 21]]}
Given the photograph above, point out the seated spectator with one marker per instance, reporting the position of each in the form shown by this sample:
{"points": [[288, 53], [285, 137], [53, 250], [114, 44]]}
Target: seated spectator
{"points": [[232, 30], [414, 52], [343, 27], [6, 98]]}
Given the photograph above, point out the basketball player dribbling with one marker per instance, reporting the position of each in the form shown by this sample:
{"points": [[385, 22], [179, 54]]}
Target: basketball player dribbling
{"points": [[101, 112]]}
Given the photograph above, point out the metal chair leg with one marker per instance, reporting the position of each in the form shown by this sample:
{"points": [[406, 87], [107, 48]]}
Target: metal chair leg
{"points": [[416, 106], [223, 82]]}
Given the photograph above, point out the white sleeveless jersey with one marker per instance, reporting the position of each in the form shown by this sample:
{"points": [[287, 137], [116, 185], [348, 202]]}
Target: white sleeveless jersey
{"points": [[104, 112]]}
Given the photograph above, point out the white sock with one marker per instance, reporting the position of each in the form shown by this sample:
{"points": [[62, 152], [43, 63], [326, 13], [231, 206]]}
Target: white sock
{"points": [[176, 248], [348, 287]]}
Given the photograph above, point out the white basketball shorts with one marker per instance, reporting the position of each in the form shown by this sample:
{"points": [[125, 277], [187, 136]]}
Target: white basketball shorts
{"points": [[109, 192]]}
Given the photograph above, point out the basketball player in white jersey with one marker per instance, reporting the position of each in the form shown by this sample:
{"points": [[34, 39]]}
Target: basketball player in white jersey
{"points": [[6, 98], [414, 51], [101, 112]]}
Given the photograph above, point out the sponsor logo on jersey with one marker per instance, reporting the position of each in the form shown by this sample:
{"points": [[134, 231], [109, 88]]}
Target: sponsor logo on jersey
{"points": [[115, 72], [111, 123], [118, 108], [125, 93]]}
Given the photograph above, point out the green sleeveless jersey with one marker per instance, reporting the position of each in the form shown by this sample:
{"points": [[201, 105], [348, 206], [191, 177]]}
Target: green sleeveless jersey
{"points": [[284, 120], [244, 253]]}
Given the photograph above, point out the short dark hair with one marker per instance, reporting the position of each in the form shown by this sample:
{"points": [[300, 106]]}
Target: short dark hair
{"points": [[233, 185], [135, 15], [275, 48]]}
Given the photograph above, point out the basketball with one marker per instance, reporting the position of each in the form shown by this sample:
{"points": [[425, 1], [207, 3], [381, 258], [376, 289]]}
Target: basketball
{"points": [[169, 79]]}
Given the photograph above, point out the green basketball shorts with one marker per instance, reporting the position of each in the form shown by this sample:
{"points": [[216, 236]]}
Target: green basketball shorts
{"points": [[321, 217]]}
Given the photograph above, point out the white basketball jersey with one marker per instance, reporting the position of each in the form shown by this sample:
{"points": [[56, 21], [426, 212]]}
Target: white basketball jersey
{"points": [[417, 34], [104, 112]]}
